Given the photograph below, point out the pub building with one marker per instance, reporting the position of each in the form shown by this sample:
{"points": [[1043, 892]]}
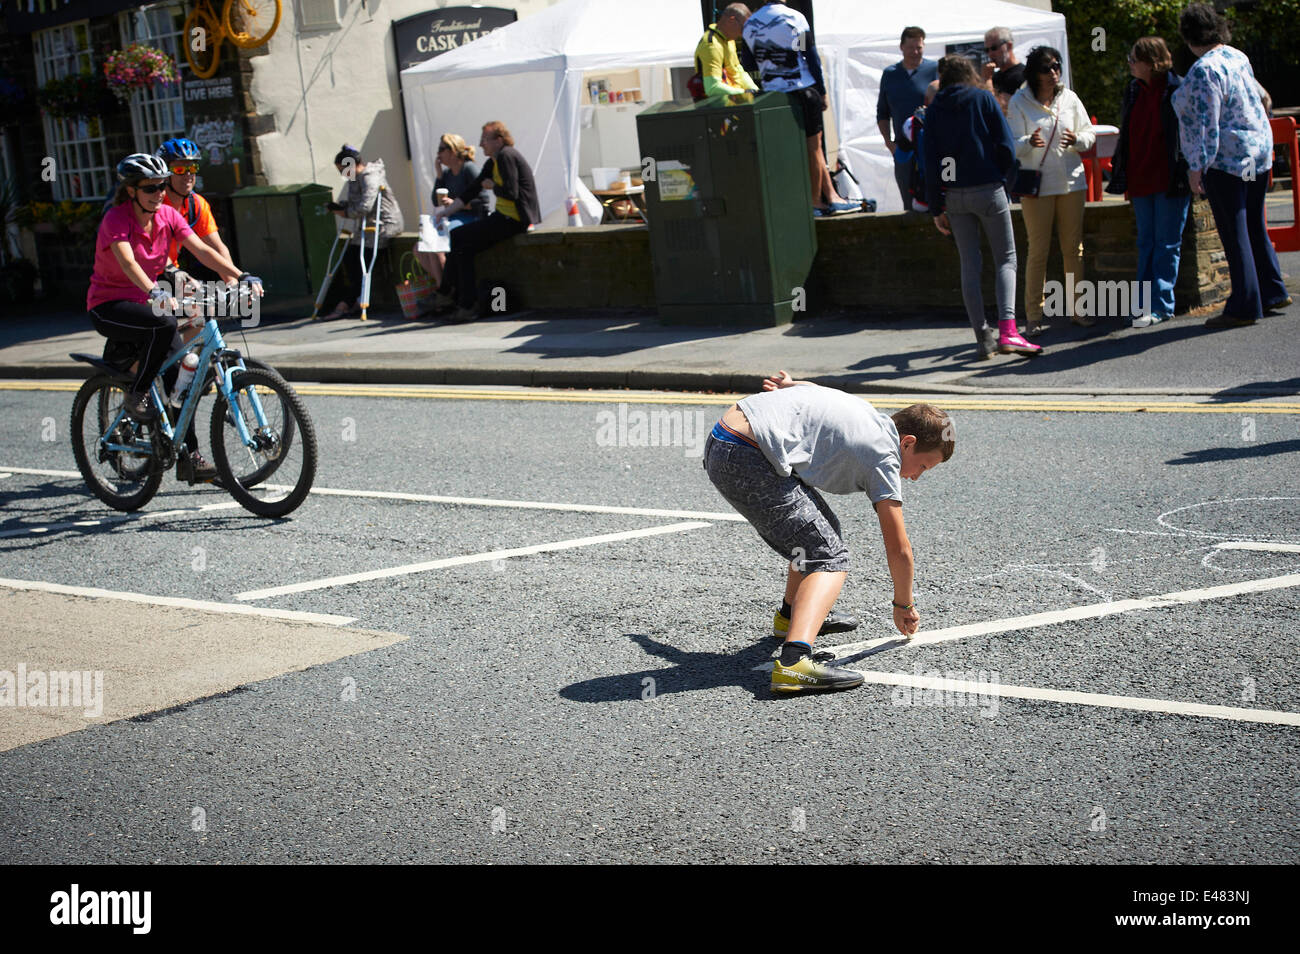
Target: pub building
{"points": [[272, 115]]}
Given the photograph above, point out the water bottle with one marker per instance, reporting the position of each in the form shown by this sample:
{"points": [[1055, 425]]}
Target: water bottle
{"points": [[189, 364]]}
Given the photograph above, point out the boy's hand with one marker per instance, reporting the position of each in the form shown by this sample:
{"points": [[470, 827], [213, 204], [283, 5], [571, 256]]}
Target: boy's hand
{"points": [[781, 379], [906, 621]]}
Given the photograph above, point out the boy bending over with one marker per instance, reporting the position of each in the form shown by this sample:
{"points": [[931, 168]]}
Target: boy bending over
{"points": [[772, 452]]}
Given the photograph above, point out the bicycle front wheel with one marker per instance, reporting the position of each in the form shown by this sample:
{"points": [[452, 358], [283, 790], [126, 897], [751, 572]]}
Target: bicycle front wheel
{"points": [[281, 438], [250, 23], [114, 454], [269, 467]]}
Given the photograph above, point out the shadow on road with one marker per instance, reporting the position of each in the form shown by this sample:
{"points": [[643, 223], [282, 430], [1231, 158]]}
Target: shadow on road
{"points": [[1245, 452], [1257, 389], [686, 672]]}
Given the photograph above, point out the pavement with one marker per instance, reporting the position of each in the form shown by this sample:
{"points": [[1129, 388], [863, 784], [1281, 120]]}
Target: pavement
{"points": [[881, 351]]}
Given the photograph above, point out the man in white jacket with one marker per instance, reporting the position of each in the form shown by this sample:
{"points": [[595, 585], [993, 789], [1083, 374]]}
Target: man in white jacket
{"points": [[1051, 128]]}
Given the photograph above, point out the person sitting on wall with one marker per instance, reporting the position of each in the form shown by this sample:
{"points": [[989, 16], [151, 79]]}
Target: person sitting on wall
{"points": [[508, 175], [716, 62], [457, 172], [788, 63], [365, 180]]}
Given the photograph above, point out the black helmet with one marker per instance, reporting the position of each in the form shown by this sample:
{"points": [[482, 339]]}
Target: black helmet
{"points": [[141, 165]]}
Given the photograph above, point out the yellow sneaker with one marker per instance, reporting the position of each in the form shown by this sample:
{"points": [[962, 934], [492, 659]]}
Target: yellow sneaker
{"points": [[835, 623], [809, 675]]}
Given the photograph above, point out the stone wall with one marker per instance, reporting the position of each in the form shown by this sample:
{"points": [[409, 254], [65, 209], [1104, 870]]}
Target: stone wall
{"points": [[884, 263]]}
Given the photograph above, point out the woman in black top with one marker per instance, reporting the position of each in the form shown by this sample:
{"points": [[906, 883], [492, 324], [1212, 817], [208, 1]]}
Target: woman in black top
{"points": [[509, 177]]}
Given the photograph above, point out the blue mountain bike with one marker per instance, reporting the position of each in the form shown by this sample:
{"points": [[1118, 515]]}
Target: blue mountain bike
{"points": [[260, 428]]}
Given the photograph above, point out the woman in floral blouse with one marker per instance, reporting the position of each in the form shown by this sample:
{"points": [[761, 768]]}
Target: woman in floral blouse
{"points": [[1226, 138]]}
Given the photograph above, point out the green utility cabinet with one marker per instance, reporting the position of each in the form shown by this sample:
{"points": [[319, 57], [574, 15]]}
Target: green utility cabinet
{"points": [[732, 238], [285, 233]]}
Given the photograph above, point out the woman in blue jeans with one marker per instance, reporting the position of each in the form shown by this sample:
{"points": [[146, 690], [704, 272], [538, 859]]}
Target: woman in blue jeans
{"points": [[968, 155], [1150, 168]]}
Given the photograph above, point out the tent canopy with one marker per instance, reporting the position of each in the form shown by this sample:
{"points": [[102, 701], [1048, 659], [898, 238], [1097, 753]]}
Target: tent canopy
{"points": [[529, 75]]}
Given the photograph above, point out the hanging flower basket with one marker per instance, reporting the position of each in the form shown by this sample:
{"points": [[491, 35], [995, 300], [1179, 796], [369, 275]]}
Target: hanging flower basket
{"points": [[76, 96], [137, 67]]}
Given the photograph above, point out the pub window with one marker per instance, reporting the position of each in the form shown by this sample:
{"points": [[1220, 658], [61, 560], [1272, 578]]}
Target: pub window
{"points": [[157, 113], [317, 15], [82, 169]]}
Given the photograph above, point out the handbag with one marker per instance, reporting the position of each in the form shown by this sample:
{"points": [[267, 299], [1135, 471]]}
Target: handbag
{"points": [[416, 285], [1029, 181]]}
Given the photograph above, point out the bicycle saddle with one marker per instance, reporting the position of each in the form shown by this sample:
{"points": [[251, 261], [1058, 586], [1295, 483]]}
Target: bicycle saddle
{"points": [[117, 358]]}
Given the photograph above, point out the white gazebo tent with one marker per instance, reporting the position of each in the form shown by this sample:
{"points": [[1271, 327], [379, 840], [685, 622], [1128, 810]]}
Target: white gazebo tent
{"points": [[857, 41], [529, 75]]}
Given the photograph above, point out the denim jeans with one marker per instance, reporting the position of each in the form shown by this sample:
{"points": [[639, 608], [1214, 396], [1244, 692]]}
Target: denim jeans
{"points": [[970, 209], [1160, 221]]}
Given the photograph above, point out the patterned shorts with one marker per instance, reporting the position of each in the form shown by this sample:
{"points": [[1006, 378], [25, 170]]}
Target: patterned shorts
{"points": [[791, 517]]}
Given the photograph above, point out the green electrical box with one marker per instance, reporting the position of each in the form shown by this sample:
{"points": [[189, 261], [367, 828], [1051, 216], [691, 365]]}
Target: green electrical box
{"points": [[285, 233], [730, 208]]}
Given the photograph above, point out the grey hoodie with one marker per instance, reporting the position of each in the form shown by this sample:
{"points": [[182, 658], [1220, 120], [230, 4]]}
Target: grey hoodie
{"points": [[359, 197]]}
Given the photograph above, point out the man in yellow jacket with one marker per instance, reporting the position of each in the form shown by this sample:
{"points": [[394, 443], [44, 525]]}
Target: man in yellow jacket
{"points": [[715, 56]]}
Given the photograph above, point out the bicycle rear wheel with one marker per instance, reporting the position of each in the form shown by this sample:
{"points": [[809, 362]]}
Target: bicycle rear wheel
{"points": [[123, 479], [286, 443], [250, 23]]}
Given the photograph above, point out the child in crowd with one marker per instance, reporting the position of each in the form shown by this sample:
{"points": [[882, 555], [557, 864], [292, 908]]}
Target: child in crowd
{"points": [[769, 456]]}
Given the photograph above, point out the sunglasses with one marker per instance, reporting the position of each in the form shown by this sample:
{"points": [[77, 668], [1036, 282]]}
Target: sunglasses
{"points": [[181, 168], [1050, 68], [444, 148], [151, 189], [994, 48]]}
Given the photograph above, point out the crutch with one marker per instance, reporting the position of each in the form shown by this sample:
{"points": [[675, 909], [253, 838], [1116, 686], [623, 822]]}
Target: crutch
{"points": [[331, 266], [368, 267]]}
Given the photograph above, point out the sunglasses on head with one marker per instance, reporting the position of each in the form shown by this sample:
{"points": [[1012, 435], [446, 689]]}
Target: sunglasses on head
{"points": [[151, 189], [181, 168]]}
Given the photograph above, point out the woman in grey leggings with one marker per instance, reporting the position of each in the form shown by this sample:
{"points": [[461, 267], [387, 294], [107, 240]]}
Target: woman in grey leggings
{"points": [[968, 154]]}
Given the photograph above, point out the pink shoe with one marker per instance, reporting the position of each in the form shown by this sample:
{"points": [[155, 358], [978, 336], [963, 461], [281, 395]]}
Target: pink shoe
{"points": [[1011, 342]]}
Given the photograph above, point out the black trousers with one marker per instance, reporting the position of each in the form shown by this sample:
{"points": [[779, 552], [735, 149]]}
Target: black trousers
{"points": [[349, 290], [466, 242], [156, 336]]}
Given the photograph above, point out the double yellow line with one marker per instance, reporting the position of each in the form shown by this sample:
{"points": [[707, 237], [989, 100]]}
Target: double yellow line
{"points": [[948, 402]]}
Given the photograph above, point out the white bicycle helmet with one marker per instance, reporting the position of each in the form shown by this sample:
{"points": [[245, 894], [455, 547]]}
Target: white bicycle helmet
{"points": [[141, 165]]}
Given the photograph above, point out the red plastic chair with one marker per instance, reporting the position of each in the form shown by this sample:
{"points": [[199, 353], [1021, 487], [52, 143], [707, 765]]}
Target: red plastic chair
{"points": [[1286, 238]]}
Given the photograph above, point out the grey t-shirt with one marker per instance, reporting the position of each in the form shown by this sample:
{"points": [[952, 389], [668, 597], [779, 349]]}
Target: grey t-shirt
{"points": [[833, 441]]}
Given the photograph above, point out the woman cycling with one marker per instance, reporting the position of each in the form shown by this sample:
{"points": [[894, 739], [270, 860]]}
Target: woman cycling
{"points": [[125, 300]]}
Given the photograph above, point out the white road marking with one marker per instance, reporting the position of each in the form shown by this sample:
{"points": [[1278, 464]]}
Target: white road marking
{"points": [[523, 504], [39, 472], [986, 689], [469, 501], [463, 560], [119, 518], [1266, 547], [1092, 611], [178, 602]]}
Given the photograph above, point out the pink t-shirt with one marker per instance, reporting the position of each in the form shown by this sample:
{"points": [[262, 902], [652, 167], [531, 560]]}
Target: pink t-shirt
{"points": [[109, 282]]}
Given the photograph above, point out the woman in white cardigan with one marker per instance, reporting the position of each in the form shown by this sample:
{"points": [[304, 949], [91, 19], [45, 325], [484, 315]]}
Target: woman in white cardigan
{"points": [[1051, 128]]}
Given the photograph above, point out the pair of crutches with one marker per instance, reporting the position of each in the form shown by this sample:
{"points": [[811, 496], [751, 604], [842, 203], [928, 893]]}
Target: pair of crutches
{"points": [[340, 246]]}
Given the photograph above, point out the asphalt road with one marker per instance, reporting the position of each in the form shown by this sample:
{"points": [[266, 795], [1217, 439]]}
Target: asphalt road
{"points": [[600, 703]]}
